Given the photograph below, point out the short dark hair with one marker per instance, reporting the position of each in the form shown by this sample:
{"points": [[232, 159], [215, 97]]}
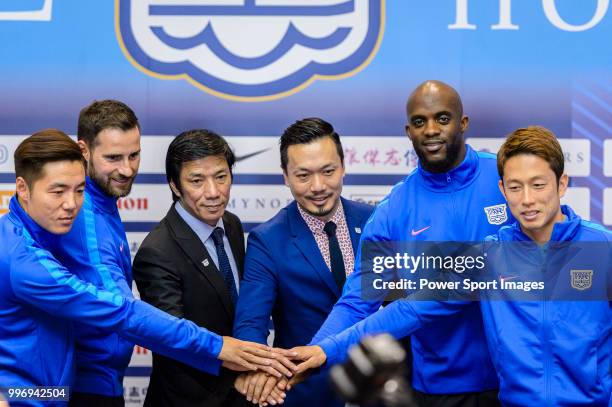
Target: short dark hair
{"points": [[306, 131], [104, 114], [192, 145], [42, 147], [535, 140]]}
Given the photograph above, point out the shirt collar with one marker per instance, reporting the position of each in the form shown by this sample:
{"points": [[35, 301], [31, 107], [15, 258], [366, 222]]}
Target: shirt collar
{"points": [[100, 198], [202, 229], [315, 224], [562, 231]]}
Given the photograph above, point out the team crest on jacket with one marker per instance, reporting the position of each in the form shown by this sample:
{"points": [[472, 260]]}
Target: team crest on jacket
{"points": [[250, 49], [496, 214], [581, 279]]}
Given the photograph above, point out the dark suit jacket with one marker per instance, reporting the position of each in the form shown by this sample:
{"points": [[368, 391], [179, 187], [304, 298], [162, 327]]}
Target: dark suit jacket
{"points": [[287, 277], [175, 273]]}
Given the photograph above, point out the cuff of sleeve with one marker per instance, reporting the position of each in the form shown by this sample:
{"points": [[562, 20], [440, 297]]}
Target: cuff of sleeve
{"points": [[217, 344], [330, 347]]}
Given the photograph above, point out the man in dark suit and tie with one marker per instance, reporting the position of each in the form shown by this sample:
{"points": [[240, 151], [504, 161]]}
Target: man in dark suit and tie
{"points": [[190, 265], [297, 262]]}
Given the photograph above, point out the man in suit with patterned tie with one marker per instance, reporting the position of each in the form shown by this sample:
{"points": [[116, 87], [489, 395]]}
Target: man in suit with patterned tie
{"points": [[190, 265], [297, 262]]}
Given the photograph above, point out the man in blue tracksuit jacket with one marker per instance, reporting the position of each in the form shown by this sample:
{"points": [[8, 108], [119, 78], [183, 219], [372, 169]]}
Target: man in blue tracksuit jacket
{"points": [[443, 200], [40, 297], [553, 353], [96, 248]]}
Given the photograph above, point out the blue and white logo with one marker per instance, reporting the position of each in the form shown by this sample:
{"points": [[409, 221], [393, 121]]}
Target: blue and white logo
{"points": [[496, 214], [250, 49]]}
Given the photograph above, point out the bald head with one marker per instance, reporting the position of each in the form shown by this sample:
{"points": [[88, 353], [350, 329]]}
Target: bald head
{"points": [[433, 90], [436, 125]]}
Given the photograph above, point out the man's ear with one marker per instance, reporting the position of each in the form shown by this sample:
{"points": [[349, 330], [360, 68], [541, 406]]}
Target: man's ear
{"points": [[407, 129], [500, 184], [465, 122], [84, 149], [285, 178], [563, 183], [22, 189], [175, 189]]}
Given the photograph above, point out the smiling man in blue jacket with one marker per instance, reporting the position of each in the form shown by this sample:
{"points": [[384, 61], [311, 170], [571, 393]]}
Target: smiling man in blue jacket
{"points": [[295, 265], [40, 298], [96, 248], [552, 353]]}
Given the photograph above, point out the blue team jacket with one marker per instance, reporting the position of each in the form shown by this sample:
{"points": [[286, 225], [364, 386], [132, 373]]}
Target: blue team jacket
{"points": [[96, 250], [39, 299], [549, 353], [462, 205]]}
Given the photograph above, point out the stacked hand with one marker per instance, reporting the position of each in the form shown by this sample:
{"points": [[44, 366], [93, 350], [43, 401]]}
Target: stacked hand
{"points": [[243, 356], [265, 389]]}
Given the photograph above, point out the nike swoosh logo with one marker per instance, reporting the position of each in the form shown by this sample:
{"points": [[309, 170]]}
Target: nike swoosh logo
{"points": [[416, 232], [247, 156]]}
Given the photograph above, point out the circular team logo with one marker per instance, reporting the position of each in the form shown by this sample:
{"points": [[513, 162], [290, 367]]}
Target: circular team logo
{"points": [[250, 50]]}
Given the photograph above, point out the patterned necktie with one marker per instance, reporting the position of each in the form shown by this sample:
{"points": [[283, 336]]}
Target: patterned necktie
{"points": [[335, 255], [224, 264]]}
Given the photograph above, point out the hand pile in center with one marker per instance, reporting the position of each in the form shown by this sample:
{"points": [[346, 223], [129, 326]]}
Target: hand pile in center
{"points": [[262, 387]]}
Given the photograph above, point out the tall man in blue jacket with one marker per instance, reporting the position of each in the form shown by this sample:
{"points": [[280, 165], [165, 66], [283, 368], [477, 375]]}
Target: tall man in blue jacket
{"points": [[552, 353], [451, 196], [96, 248], [296, 263], [40, 298]]}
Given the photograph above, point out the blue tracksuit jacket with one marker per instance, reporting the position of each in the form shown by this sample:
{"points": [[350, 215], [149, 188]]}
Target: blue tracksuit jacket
{"points": [[39, 299], [546, 353], [462, 205], [96, 250]]}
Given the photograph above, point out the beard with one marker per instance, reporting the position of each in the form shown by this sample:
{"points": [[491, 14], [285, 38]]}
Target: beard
{"points": [[442, 165], [322, 212], [106, 185]]}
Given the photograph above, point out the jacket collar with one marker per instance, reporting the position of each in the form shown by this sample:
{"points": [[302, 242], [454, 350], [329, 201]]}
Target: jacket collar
{"points": [[457, 178], [193, 247], [100, 198], [20, 218], [562, 231]]}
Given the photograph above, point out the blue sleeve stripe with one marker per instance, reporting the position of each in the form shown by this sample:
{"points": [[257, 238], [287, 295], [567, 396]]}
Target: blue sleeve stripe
{"points": [[92, 246], [73, 281], [595, 226]]}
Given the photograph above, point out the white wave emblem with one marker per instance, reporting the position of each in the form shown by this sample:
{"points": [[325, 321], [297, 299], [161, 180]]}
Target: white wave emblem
{"points": [[250, 49]]}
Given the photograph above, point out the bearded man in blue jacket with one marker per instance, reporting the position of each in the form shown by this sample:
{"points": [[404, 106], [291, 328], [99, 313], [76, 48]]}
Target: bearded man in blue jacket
{"points": [[295, 266], [40, 298], [96, 248], [553, 353]]}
